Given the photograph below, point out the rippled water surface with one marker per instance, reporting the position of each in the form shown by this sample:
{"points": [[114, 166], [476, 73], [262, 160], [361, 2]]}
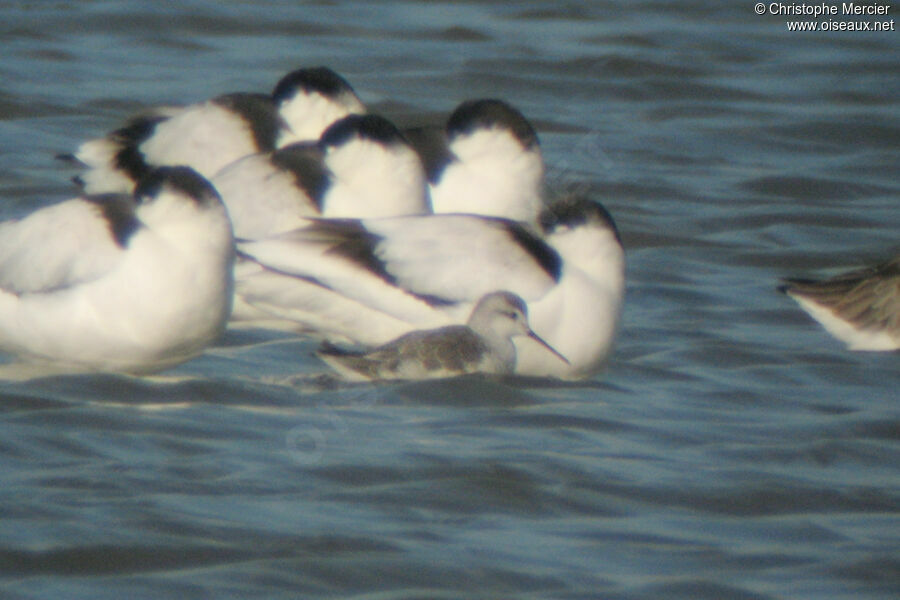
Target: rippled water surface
{"points": [[731, 449]]}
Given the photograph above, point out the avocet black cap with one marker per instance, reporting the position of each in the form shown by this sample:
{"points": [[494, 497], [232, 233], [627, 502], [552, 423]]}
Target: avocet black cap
{"points": [[573, 211], [489, 113], [369, 126], [180, 179], [311, 79]]}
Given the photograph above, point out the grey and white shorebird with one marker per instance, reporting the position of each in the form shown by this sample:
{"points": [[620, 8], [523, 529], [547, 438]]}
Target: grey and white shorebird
{"points": [[209, 135], [118, 283], [370, 281], [486, 160], [861, 307], [361, 167], [483, 345]]}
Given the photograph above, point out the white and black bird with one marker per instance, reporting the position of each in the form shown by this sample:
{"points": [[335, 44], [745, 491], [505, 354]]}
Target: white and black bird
{"points": [[861, 307], [483, 345], [369, 281], [209, 135], [118, 283], [486, 160], [362, 167]]}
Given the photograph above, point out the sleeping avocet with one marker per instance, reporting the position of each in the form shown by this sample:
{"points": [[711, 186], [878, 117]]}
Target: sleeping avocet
{"points": [[486, 160], [117, 283], [370, 281], [362, 166], [209, 135]]}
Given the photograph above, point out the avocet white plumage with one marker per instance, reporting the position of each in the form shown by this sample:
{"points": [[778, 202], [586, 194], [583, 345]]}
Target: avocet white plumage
{"points": [[370, 281], [209, 135], [362, 166], [486, 161], [118, 283]]}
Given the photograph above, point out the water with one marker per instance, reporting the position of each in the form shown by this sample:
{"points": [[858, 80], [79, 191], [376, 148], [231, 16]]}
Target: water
{"points": [[731, 450]]}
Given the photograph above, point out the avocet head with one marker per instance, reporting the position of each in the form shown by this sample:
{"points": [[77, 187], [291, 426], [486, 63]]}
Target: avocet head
{"points": [[311, 99], [585, 235], [376, 172], [497, 167], [178, 195], [489, 114]]}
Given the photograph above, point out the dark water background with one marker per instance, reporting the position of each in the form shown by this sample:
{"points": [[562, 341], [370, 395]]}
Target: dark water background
{"points": [[731, 450]]}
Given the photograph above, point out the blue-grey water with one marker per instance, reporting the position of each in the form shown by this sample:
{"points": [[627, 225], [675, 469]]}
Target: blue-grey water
{"points": [[731, 449]]}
